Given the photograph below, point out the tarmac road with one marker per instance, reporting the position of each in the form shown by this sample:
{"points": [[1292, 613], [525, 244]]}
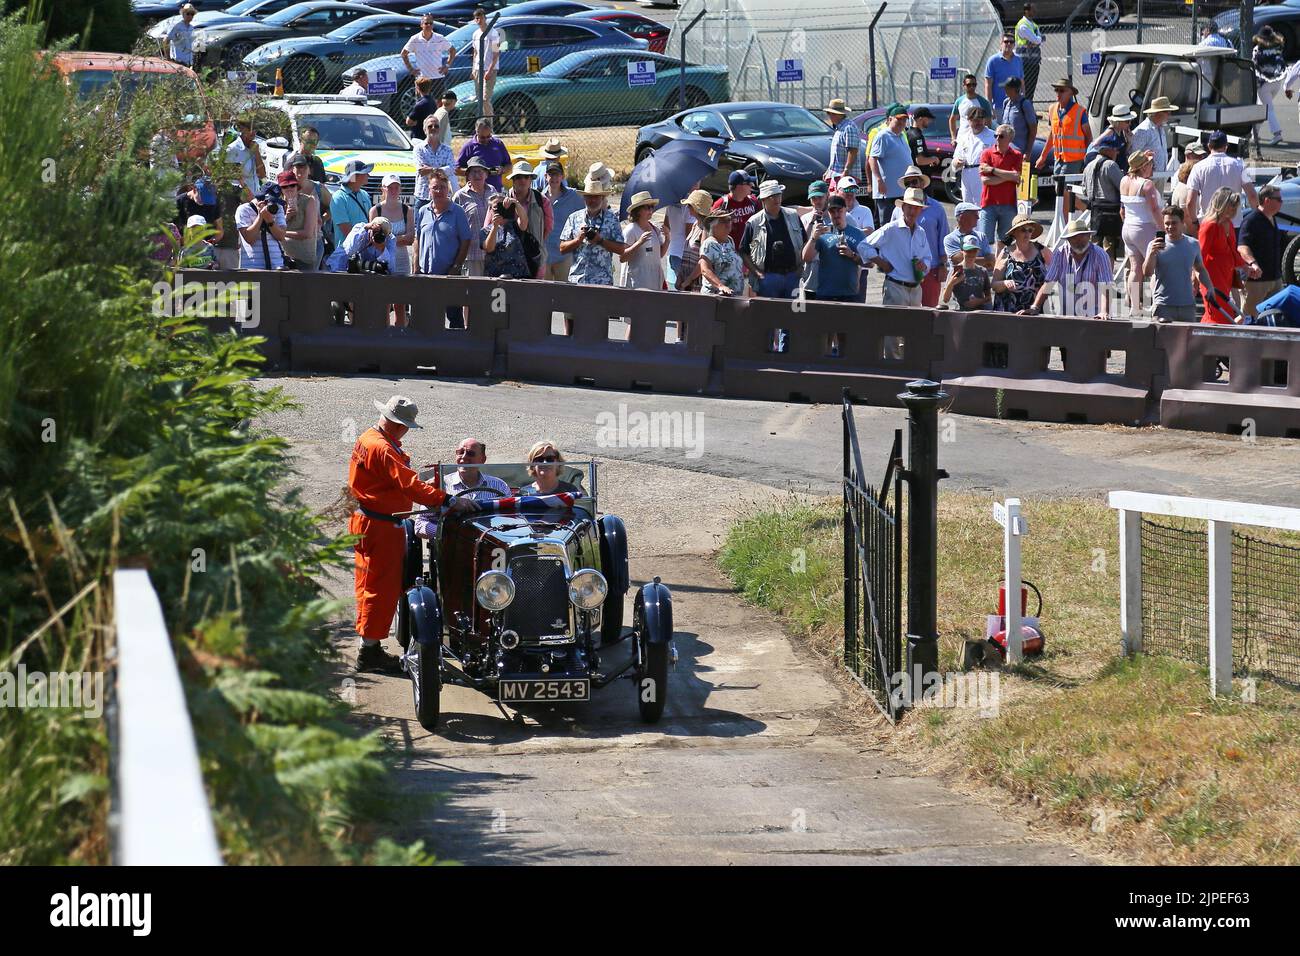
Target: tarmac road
{"points": [[765, 754]]}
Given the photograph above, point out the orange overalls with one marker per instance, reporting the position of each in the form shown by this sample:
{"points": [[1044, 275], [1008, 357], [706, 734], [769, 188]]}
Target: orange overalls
{"points": [[382, 480]]}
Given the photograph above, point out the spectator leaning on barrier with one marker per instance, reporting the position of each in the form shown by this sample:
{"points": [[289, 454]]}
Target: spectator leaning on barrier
{"points": [[1270, 68], [1021, 268], [970, 281], [934, 223], [959, 116], [592, 236], [301, 220], [1084, 273], [1260, 244], [1101, 185], [536, 210], [360, 85], [1140, 209], [834, 246], [1000, 167], [641, 263], [999, 68], [771, 244], [473, 197], [720, 264], [350, 205], [888, 158], [565, 201], [1068, 131], [308, 186], [1213, 173], [487, 148], [1174, 260], [1029, 43], [1193, 153], [370, 242], [1018, 113], [967, 216], [432, 153], [818, 193], [902, 252], [444, 233], [178, 44], [501, 238], [846, 144], [1151, 135], [922, 156], [1218, 239], [966, 153]]}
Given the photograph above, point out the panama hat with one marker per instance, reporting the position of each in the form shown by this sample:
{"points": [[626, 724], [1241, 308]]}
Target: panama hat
{"points": [[642, 198], [1077, 227], [914, 172], [1123, 113], [1035, 228], [700, 201], [399, 410], [553, 148], [599, 170], [1160, 104], [912, 197], [1138, 160], [770, 187], [521, 168], [836, 106], [594, 187]]}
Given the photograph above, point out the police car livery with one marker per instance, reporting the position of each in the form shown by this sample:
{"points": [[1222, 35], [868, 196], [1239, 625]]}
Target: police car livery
{"points": [[349, 129]]}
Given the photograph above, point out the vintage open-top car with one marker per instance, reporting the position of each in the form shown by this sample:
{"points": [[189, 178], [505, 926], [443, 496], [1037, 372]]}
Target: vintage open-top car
{"points": [[516, 600]]}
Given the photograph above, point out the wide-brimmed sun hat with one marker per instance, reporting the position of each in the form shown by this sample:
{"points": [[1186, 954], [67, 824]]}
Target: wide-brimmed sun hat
{"points": [[356, 167], [700, 201], [836, 106], [1160, 104], [1138, 160], [553, 148], [1065, 83], [1020, 222], [1077, 227], [769, 188], [912, 197], [640, 199], [400, 410], [521, 168], [914, 172], [594, 187], [1123, 113]]}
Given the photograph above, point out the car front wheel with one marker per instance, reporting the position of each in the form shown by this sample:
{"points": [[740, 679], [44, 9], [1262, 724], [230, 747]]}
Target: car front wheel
{"points": [[233, 57], [424, 665], [1291, 262], [1106, 13]]}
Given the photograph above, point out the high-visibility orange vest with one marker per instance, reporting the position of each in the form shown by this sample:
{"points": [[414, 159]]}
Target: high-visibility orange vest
{"points": [[1068, 142]]}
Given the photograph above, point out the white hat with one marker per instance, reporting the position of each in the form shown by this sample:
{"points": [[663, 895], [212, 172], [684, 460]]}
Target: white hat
{"points": [[914, 172], [846, 183], [912, 197], [1077, 227], [521, 168], [399, 410], [194, 221], [390, 179], [600, 171], [770, 187]]}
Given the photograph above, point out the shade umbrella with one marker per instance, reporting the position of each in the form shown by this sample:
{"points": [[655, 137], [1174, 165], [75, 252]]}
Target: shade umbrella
{"points": [[670, 172]]}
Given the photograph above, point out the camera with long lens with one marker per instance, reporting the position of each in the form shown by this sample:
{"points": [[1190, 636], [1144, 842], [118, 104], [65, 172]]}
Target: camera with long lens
{"points": [[375, 267], [273, 197]]}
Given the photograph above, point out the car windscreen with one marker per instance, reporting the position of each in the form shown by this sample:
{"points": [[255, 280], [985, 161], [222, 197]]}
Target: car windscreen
{"points": [[244, 6], [348, 131], [762, 122], [349, 30], [287, 15]]}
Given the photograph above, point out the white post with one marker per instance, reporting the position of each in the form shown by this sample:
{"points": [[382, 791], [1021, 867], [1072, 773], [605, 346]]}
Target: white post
{"points": [[1220, 566], [1130, 579], [1011, 561]]}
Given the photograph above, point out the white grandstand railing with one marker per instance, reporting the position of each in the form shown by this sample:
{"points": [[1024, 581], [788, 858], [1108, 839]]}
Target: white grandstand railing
{"points": [[1221, 517], [162, 815]]}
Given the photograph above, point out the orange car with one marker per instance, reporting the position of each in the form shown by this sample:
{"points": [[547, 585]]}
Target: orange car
{"points": [[90, 73]]}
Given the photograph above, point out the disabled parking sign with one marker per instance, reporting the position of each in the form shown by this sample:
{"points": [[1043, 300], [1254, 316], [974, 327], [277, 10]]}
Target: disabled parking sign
{"points": [[641, 73], [1092, 64], [789, 71], [383, 84], [943, 68]]}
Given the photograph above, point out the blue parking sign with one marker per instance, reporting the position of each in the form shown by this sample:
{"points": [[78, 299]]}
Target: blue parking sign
{"points": [[789, 71], [943, 68], [641, 73], [383, 84], [1092, 64]]}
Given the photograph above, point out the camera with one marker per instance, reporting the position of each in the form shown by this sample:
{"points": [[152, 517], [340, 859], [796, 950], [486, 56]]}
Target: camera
{"points": [[591, 233], [507, 207], [272, 196], [359, 266]]}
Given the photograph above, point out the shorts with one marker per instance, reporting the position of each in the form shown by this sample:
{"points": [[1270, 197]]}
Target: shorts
{"points": [[1176, 313]]}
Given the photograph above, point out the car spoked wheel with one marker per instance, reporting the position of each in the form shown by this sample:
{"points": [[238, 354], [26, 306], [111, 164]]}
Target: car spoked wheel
{"points": [[233, 58], [515, 114], [303, 74], [405, 100], [1106, 13], [424, 665], [1291, 262]]}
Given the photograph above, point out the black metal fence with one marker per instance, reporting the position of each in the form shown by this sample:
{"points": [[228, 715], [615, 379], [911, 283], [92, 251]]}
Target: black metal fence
{"points": [[1265, 599], [873, 581]]}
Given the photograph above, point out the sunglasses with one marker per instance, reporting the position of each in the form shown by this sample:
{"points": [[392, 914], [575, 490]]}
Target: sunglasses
{"points": [[545, 460]]}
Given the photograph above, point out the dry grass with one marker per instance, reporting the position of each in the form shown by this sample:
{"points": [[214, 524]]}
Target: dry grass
{"points": [[611, 145], [1129, 759]]}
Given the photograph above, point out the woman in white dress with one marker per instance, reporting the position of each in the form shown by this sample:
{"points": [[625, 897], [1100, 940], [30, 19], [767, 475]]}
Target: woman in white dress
{"points": [[642, 261], [1139, 207]]}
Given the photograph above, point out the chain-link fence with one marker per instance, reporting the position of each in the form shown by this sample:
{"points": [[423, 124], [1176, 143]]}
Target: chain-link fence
{"points": [[1265, 599]]}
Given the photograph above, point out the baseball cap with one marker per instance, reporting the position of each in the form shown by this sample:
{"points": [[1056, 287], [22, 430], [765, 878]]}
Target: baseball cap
{"points": [[195, 221], [966, 207], [836, 202], [896, 109], [970, 242], [1111, 140], [847, 184], [1218, 138], [922, 112], [355, 167], [286, 178], [296, 159], [390, 179], [818, 188], [738, 177]]}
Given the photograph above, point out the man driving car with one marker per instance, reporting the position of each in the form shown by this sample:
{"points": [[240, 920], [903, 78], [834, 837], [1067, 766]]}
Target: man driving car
{"points": [[466, 478]]}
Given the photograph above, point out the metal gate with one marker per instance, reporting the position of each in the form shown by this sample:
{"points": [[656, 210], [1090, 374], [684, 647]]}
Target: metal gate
{"points": [[873, 579]]}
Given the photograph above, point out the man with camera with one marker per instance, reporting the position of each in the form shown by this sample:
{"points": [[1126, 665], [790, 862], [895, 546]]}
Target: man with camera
{"points": [[261, 225], [369, 248], [592, 236]]}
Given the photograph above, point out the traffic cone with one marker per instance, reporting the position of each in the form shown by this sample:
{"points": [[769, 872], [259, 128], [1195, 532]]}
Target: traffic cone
{"points": [[279, 81]]}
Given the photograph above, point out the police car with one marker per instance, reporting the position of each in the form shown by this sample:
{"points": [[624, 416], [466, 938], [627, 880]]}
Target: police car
{"points": [[349, 129]]}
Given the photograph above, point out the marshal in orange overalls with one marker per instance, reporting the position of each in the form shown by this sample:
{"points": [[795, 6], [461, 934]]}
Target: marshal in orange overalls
{"points": [[382, 480]]}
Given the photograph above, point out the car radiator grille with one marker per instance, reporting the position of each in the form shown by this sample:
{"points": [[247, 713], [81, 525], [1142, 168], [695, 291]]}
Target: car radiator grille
{"points": [[541, 604]]}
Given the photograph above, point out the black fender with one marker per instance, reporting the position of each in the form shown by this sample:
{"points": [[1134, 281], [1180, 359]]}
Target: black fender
{"points": [[426, 616], [413, 556], [613, 554], [655, 602]]}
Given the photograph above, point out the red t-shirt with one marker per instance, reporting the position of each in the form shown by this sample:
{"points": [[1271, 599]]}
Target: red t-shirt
{"points": [[1003, 194], [740, 213]]}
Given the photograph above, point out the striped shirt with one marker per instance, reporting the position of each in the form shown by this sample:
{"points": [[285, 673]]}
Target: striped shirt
{"points": [[847, 137], [1082, 282]]}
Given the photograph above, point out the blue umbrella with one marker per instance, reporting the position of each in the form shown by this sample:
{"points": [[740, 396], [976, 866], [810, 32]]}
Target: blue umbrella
{"points": [[670, 172]]}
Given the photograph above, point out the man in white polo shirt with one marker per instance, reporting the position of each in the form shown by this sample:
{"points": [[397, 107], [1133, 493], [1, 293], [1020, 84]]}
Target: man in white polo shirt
{"points": [[1213, 172], [490, 42], [426, 53]]}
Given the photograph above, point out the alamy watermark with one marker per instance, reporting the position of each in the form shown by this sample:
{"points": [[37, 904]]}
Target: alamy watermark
{"points": [[637, 429], [65, 690], [973, 690], [241, 301]]}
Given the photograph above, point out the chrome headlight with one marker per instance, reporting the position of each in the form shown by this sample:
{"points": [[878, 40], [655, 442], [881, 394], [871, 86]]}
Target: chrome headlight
{"points": [[494, 590], [587, 589]]}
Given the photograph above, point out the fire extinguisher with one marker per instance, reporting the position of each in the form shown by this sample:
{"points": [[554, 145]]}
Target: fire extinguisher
{"points": [[1031, 637], [279, 81]]}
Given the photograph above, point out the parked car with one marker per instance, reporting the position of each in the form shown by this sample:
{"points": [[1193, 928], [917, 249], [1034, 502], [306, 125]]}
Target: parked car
{"points": [[226, 44], [243, 10], [319, 64], [549, 8], [526, 606], [461, 12], [1103, 13], [547, 38], [349, 129], [149, 12], [590, 88], [771, 140], [95, 74], [634, 25], [1283, 17]]}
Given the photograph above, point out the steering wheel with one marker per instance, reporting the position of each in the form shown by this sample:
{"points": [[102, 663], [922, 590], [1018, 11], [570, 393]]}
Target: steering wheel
{"points": [[471, 491]]}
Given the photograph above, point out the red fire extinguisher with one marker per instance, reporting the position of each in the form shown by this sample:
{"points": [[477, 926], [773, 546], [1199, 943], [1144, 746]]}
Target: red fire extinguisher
{"points": [[1031, 638]]}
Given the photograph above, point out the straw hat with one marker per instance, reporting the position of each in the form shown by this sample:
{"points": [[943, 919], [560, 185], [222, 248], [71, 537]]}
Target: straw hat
{"points": [[1138, 160], [1077, 227], [1035, 229], [400, 410], [912, 197], [521, 168], [1160, 104], [642, 198], [594, 187], [836, 106], [911, 173], [700, 201], [553, 149]]}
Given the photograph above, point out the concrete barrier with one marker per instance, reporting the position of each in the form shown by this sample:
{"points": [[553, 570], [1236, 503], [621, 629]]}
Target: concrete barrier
{"points": [[1232, 379], [251, 303], [1049, 369]]}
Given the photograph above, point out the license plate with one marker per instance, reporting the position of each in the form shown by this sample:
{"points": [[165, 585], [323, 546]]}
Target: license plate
{"points": [[557, 689]]}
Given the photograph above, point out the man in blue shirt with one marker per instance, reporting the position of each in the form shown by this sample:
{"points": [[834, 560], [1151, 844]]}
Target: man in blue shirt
{"points": [[1001, 67], [834, 248], [889, 158], [1019, 113], [442, 231], [968, 215], [350, 203], [565, 201], [901, 251]]}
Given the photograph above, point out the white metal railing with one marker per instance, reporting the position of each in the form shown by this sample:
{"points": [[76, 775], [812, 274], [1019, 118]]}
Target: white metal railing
{"points": [[162, 815], [1221, 517]]}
